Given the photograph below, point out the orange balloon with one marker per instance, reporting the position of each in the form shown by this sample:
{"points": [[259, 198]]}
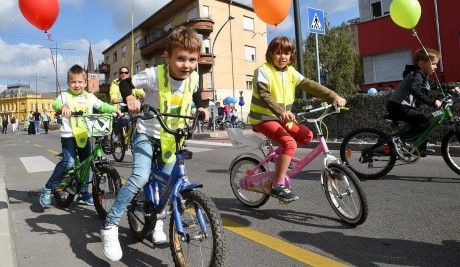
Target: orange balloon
{"points": [[272, 11]]}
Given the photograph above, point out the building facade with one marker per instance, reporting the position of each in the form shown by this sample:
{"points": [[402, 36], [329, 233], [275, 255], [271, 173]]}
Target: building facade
{"points": [[386, 47], [19, 100], [230, 31]]}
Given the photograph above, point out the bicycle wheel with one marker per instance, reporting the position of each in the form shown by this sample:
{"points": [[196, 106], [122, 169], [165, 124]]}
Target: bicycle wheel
{"points": [[203, 245], [345, 194], [106, 145], [450, 149], [206, 127], [106, 184], [237, 172], [368, 153], [226, 124], [118, 147], [240, 124], [141, 216]]}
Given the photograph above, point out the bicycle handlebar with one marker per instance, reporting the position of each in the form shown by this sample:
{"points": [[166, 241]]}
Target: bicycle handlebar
{"points": [[178, 133]]}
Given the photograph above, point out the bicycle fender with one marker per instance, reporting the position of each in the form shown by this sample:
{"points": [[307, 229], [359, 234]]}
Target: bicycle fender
{"points": [[244, 155]]}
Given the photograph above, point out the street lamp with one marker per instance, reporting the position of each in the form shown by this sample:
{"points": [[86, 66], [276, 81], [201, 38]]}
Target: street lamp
{"points": [[214, 97], [36, 89]]}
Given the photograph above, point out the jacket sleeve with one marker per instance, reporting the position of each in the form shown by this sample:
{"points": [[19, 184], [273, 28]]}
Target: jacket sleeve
{"points": [[126, 88], [417, 83], [316, 89]]}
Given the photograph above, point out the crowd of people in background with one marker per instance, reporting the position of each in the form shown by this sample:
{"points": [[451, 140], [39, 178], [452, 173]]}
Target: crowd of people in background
{"points": [[34, 121]]}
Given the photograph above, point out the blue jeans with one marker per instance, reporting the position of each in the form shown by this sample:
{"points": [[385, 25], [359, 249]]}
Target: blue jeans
{"points": [[143, 152], [37, 126], [69, 151]]}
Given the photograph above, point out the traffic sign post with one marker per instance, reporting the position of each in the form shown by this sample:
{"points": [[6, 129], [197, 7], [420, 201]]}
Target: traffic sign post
{"points": [[316, 26]]}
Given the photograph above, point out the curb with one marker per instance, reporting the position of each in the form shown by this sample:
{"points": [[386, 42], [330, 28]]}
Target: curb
{"points": [[7, 247]]}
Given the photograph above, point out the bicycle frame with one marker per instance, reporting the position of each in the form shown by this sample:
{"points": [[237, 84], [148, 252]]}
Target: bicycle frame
{"points": [[173, 183], [252, 182]]}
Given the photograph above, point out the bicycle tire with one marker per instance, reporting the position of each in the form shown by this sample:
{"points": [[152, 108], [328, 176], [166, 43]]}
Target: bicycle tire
{"points": [[240, 124], [450, 149], [118, 147], [106, 145], [345, 195], [141, 215], [226, 124], [206, 127], [375, 163], [201, 247], [237, 172], [65, 192], [106, 185]]}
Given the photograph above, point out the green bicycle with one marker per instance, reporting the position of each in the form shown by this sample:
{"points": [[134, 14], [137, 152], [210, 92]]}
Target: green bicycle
{"points": [[105, 180], [371, 153]]}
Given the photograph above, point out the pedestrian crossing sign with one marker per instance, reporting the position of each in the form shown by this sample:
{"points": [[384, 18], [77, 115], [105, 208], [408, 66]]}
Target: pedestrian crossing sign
{"points": [[316, 21]]}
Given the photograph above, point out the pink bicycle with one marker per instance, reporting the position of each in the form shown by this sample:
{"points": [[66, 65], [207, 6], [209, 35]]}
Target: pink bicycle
{"points": [[251, 175]]}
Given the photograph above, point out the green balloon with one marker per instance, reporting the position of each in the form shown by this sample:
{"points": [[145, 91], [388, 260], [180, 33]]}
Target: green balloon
{"points": [[405, 13]]}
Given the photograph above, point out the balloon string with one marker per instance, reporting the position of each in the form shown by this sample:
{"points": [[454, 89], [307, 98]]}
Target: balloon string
{"points": [[274, 28], [414, 32], [50, 37], [55, 69]]}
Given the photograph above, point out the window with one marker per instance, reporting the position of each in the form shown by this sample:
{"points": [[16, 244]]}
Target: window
{"points": [[192, 14], [31, 106], [115, 57], [137, 42], [207, 46], [206, 11], [138, 67], [386, 66], [107, 60], [167, 27], [249, 53], [49, 106], [248, 24], [115, 75], [123, 51], [43, 106], [249, 79], [376, 9]]}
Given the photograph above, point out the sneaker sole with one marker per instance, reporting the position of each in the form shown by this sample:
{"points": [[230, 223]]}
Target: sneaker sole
{"points": [[288, 200]]}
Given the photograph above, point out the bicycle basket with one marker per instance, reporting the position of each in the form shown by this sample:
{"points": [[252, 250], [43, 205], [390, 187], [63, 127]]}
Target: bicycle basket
{"points": [[98, 124]]}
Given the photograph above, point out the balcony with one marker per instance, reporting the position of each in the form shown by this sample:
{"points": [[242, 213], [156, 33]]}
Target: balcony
{"points": [[104, 68], [155, 42], [205, 60], [202, 26]]}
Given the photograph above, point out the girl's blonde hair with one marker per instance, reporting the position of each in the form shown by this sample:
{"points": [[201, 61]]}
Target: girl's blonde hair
{"points": [[280, 43]]}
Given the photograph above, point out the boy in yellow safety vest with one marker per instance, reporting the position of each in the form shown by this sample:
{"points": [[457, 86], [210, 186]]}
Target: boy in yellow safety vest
{"points": [[170, 87], [74, 138]]}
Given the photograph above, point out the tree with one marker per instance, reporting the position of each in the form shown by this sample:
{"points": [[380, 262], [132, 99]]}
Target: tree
{"points": [[339, 61]]}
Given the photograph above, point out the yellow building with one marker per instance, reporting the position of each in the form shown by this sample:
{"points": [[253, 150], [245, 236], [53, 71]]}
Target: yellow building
{"points": [[19, 100], [234, 41]]}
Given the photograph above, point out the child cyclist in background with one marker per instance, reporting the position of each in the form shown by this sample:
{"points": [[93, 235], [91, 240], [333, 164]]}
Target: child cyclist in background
{"points": [[414, 91], [73, 135], [170, 87], [274, 87]]}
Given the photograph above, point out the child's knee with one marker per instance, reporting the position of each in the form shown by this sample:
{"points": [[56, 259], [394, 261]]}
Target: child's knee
{"points": [[290, 146]]}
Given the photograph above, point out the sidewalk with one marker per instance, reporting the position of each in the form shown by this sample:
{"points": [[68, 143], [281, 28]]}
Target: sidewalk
{"points": [[7, 248]]}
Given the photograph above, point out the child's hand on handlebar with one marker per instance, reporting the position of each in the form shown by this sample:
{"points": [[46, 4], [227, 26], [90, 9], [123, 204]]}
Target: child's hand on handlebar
{"points": [[134, 106], [65, 111], [287, 116], [437, 104], [340, 101]]}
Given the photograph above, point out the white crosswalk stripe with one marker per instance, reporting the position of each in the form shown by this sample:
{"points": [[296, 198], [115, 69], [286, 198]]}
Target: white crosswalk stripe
{"points": [[37, 164]]}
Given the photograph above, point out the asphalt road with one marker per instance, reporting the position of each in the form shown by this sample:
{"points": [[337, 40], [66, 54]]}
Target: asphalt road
{"points": [[413, 216]]}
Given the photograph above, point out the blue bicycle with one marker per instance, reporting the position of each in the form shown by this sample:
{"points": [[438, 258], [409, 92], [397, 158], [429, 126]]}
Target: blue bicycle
{"points": [[196, 230]]}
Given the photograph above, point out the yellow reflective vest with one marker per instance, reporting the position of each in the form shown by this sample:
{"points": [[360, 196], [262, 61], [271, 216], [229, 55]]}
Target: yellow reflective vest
{"points": [[78, 128], [168, 144], [282, 90]]}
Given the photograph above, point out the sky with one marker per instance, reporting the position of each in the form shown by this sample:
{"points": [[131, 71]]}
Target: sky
{"points": [[26, 57]]}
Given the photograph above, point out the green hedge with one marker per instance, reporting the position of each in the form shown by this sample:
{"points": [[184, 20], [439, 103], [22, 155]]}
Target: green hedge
{"points": [[365, 111]]}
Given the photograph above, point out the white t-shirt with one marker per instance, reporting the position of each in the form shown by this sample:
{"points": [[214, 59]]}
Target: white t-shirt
{"points": [[147, 79]]}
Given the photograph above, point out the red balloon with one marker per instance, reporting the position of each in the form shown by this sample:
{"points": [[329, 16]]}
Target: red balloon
{"points": [[40, 13], [272, 11]]}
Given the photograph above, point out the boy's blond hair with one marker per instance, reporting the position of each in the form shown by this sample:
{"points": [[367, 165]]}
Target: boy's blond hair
{"points": [[183, 38], [280, 43], [76, 70], [428, 56]]}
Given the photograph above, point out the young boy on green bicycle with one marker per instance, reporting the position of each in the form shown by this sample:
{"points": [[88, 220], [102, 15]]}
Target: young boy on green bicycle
{"points": [[170, 87], [413, 91], [73, 134]]}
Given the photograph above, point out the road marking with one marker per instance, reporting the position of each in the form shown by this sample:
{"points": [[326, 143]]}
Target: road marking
{"points": [[37, 164], [53, 151], [36, 145], [198, 149], [197, 142], [279, 245]]}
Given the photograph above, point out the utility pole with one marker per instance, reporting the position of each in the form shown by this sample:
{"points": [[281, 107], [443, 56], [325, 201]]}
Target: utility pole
{"points": [[36, 89], [56, 64]]}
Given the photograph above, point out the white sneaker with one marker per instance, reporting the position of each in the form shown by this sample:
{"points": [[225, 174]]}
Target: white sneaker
{"points": [[158, 236], [111, 245]]}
